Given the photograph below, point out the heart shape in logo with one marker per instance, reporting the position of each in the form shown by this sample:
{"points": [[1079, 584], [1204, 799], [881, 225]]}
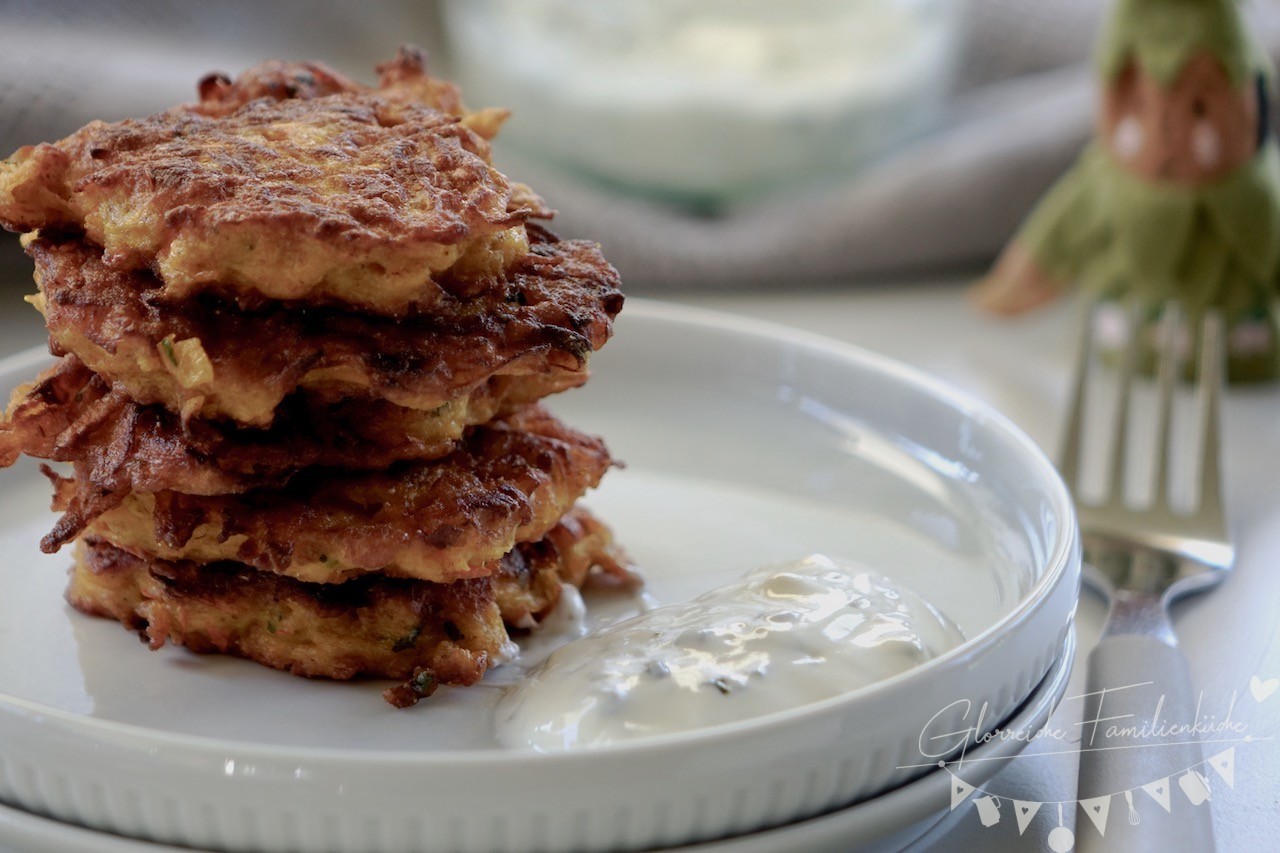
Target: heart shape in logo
{"points": [[1262, 689]]}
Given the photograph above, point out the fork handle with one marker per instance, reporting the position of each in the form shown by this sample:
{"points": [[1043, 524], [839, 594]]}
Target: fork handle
{"points": [[1138, 680]]}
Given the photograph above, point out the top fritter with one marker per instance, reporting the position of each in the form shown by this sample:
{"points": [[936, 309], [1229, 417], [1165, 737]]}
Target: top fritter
{"points": [[292, 183]]}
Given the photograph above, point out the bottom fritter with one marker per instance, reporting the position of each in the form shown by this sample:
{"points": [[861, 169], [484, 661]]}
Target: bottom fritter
{"points": [[427, 633]]}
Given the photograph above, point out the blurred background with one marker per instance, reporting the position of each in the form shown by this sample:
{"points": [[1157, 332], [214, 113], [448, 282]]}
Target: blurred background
{"points": [[705, 143]]}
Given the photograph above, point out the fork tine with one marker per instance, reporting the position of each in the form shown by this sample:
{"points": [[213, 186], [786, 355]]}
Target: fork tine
{"points": [[1169, 363], [1113, 492], [1211, 378], [1069, 457]]}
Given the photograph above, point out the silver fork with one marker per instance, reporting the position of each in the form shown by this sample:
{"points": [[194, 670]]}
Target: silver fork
{"points": [[1142, 558]]}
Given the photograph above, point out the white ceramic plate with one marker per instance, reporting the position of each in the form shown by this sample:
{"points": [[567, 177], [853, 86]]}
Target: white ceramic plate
{"points": [[888, 822], [745, 444]]}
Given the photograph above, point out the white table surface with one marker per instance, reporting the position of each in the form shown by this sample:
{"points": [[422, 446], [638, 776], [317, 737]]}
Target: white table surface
{"points": [[1021, 368]]}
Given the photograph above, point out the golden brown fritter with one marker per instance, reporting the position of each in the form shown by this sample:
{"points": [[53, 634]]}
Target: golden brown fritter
{"points": [[403, 78], [371, 626], [351, 197], [508, 482], [276, 80], [71, 415], [528, 581], [552, 309]]}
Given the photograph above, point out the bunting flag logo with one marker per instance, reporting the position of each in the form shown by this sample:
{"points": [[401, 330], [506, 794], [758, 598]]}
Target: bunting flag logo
{"points": [[1224, 764], [1159, 791], [1195, 782], [960, 790], [1097, 809], [1024, 811]]}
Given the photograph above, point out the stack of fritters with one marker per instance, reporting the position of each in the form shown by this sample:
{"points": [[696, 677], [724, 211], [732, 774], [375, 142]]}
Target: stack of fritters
{"points": [[303, 326]]}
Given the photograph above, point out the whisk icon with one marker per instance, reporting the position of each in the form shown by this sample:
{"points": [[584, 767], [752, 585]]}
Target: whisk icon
{"points": [[1134, 820]]}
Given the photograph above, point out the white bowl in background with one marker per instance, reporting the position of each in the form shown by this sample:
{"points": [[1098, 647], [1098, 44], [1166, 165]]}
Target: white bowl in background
{"points": [[712, 102]]}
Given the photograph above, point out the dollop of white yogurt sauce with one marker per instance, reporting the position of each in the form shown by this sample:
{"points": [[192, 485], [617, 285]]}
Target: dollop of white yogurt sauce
{"points": [[781, 637]]}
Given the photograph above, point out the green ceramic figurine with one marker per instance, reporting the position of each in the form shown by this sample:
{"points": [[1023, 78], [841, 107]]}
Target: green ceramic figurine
{"points": [[1178, 196]]}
